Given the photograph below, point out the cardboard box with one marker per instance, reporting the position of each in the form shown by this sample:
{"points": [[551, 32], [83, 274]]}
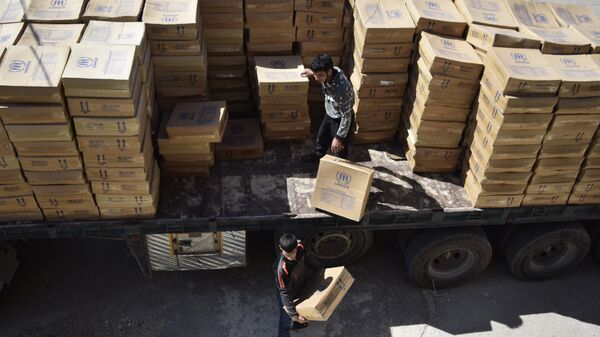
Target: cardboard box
{"points": [[332, 286], [563, 151], [452, 99], [520, 121], [451, 57], [283, 19], [383, 21], [219, 20], [490, 13], [383, 50], [200, 119], [381, 92], [118, 33], [215, 37], [319, 6], [437, 112], [588, 188], [541, 176], [67, 200], [40, 133], [374, 137], [580, 75], [507, 104], [559, 40], [227, 72], [116, 159], [551, 189], [108, 107], [522, 72], [166, 145], [40, 34], [571, 130], [124, 188], [32, 74], [110, 126], [117, 10], [436, 134], [194, 79], [592, 35], [102, 71], [575, 15], [10, 33], [377, 104], [49, 164], [482, 162], [222, 6], [13, 11], [127, 212], [532, 14], [332, 19], [177, 48], [342, 187], [242, 140], [446, 84], [369, 126], [53, 12], [168, 20], [492, 187], [65, 177], [268, 6], [393, 65], [311, 34], [33, 114], [11, 177], [15, 190], [501, 136], [285, 34], [9, 163], [280, 76], [360, 81], [437, 16], [264, 49], [179, 63], [130, 174], [314, 48], [270, 113], [127, 200], [545, 200], [87, 213], [185, 169], [38, 148], [485, 37], [286, 130], [18, 204], [589, 174], [558, 163], [115, 144]]}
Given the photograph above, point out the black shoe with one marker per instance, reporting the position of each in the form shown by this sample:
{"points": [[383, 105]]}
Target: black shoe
{"points": [[298, 326]]}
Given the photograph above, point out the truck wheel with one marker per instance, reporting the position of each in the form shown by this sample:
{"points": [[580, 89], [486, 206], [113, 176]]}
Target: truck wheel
{"points": [[442, 258], [339, 248], [539, 252], [595, 235]]}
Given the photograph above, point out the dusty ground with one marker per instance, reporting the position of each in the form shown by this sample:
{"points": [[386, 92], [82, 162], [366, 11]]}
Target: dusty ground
{"points": [[94, 288]]}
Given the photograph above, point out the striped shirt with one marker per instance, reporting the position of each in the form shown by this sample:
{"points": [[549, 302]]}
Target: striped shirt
{"points": [[339, 100]]}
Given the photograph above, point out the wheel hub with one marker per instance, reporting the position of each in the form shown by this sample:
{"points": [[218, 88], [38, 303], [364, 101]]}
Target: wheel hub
{"points": [[451, 263], [331, 245]]}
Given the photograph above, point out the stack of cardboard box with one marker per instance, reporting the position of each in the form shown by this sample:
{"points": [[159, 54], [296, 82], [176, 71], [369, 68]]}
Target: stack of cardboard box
{"points": [[270, 25], [40, 129], [282, 92], [242, 140], [383, 35], [517, 97], [444, 85], [44, 11], [42, 34], [582, 19], [112, 128], [537, 21], [123, 33], [113, 10], [223, 25], [574, 125], [178, 51], [187, 137]]}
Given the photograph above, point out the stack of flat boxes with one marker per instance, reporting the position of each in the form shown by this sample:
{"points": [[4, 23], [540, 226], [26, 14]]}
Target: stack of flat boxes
{"points": [[270, 25], [40, 128], [383, 35], [517, 97], [582, 19], [318, 30], [223, 26], [187, 137], [116, 143], [570, 133], [536, 20], [178, 51], [113, 10], [346, 63], [242, 140], [282, 92], [445, 83], [43, 11], [126, 34]]}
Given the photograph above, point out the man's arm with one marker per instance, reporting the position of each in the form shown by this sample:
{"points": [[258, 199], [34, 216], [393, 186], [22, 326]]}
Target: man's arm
{"points": [[288, 304], [345, 101]]}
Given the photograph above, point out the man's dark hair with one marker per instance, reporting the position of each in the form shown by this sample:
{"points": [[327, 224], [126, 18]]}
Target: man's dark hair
{"points": [[288, 242], [321, 62]]}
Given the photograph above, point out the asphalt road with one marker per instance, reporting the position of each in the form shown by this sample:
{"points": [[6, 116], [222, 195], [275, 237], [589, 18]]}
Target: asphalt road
{"points": [[94, 288]]}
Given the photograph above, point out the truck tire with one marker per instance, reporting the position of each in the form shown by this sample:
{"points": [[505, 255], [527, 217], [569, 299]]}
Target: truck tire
{"points": [[443, 258], [595, 235], [542, 251], [335, 248]]}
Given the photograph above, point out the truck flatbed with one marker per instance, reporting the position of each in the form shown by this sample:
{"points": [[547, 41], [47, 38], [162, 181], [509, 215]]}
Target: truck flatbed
{"points": [[274, 193]]}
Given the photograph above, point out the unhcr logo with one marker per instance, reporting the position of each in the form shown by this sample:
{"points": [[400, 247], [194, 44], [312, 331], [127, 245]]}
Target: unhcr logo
{"points": [[278, 64], [448, 44], [86, 62], [18, 66], [569, 62], [394, 14], [490, 18], [343, 179], [432, 5], [595, 33], [584, 18], [57, 3], [102, 9], [541, 18], [519, 58], [169, 18]]}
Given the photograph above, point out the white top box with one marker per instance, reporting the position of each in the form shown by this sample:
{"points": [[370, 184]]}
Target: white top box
{"points": [[9, 33], [532, 14], [113, 10], [575, 15], [43, 34], [12, 10], [56, 11], [115, 33], [486, 12], [580, 75], [170, 12], [384, 21]]}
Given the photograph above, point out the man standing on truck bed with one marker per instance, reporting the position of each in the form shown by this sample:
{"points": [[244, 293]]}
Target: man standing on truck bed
{"points": [[294, 268], [337, 127]]}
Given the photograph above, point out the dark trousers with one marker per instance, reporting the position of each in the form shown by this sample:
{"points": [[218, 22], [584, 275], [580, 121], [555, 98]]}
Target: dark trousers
{"points": [[327, 132], [285, 321]]}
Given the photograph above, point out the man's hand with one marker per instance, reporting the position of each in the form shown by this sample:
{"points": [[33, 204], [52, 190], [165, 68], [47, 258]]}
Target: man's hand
{"points": [[300, 319], [307, 73], [336, 145]]}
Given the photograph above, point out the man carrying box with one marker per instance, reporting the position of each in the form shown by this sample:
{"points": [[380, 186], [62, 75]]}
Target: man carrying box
{"points": [[294, 268], [338, 125]]}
